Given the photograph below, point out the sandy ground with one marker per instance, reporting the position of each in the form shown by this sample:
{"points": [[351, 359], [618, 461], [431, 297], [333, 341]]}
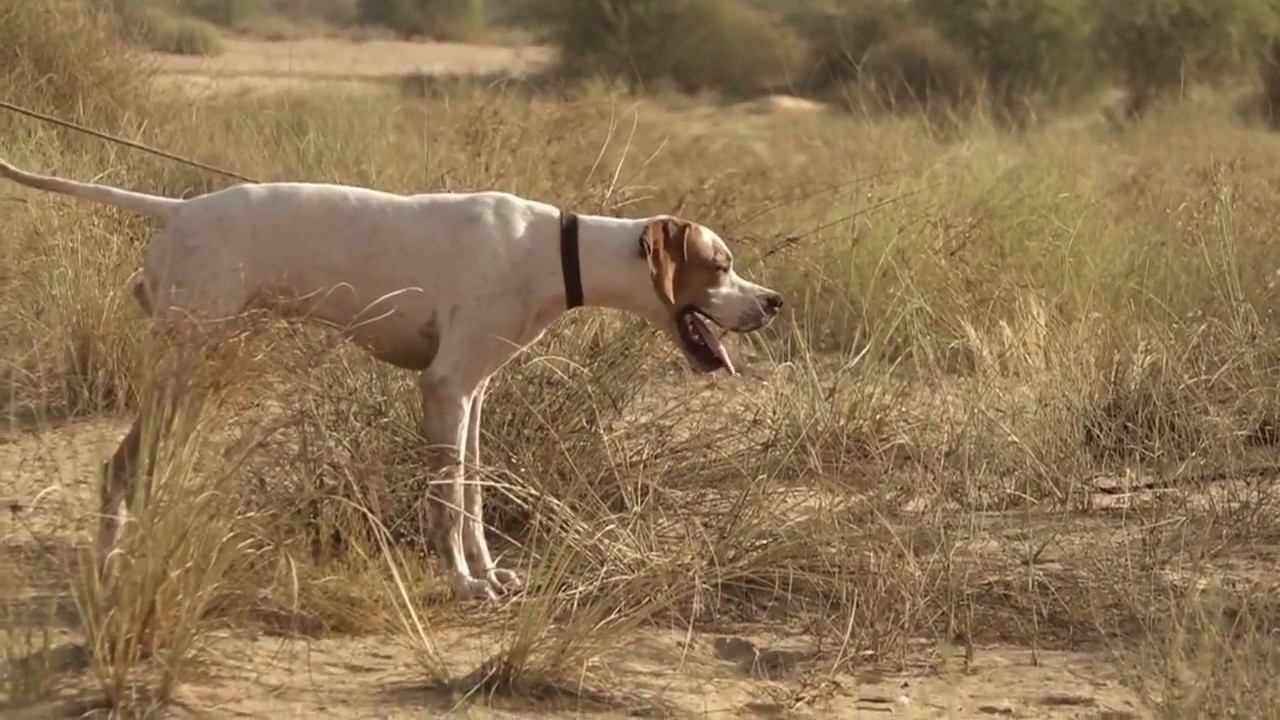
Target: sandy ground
{"points": [[329, 58], [256, 64]]}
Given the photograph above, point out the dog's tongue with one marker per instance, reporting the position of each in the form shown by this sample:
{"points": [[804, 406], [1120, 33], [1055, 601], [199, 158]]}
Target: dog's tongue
{"points": [[714, 343], [723, 355]]}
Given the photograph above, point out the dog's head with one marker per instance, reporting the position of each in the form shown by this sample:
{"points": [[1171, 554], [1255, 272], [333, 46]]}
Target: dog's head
{"points": [[694, 280]]}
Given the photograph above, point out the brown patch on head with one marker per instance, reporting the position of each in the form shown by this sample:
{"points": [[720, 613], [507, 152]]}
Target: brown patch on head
{"points": [[682, 264]]}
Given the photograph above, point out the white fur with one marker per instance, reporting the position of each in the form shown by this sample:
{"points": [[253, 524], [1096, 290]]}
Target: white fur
{"points": [[478, 274]]}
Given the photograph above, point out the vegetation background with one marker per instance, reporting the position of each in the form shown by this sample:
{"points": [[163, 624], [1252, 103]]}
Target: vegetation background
{"points": [[1012, 450]]}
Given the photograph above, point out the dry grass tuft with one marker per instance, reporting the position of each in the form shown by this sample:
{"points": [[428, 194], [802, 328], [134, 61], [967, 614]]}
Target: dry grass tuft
{"points": [[95, 73]]}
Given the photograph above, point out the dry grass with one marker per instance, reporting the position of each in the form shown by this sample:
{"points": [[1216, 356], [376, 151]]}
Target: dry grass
{"points": [[1025, 397]]}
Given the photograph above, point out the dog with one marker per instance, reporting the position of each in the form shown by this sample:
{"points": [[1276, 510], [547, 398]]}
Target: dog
{"points": [[449, 285]]}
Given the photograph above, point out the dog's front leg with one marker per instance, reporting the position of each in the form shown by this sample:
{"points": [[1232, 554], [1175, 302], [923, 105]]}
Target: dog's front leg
{"points": [[477, 547], [444, 429]]}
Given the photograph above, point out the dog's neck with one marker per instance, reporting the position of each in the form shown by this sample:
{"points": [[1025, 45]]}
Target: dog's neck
{"points": [[611, 270]]}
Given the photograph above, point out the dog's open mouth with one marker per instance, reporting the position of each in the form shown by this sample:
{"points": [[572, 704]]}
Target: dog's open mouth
{"points": [[700, 343]]}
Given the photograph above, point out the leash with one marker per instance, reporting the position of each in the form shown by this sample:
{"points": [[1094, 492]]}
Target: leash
{"points": [[122, 141]]}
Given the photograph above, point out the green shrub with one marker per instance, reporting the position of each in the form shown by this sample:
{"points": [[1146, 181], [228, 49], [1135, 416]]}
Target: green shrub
{"points": [[1269, 69], [189, 36], [338, 13], [146, 25], [1023, 47], [227, 13], [1156, 47], [918, 69], [841, 35], [439, 19], [694, 45]]}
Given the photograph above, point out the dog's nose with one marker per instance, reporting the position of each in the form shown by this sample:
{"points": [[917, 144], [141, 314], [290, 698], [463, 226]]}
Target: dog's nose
{"points": [[772, 303]]}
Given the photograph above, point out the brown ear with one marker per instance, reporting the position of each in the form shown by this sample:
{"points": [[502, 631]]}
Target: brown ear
{"points": [[664, 243]]}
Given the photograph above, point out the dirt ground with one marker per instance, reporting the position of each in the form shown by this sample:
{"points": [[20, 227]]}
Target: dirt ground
{"points": [[261, 65], [756, 671]]}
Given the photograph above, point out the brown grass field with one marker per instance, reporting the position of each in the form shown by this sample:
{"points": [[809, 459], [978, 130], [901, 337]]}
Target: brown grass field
{"points": [[1011, 452]]}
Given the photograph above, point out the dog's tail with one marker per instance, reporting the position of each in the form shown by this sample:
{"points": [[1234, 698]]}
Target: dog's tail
{"points": [[153, 205]]}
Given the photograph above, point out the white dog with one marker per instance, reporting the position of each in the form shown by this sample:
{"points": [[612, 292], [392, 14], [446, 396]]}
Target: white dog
{"points": [[449, 285]]}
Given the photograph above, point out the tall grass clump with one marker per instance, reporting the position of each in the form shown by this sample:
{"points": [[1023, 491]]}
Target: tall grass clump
{"points": [[96, 75], [147, 619], [66, 348]]}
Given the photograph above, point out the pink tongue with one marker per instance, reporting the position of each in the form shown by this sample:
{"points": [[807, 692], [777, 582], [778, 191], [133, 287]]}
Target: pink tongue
{"points": [[713, 342]]}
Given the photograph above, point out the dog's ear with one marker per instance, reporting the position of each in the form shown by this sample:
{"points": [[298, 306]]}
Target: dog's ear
{"points": [[664, 243]]}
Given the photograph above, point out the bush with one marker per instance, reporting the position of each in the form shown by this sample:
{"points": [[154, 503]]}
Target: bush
{"points": [[438, 19], [156, 29], [191, 36], [1269, 69], [227, 13], [146, 23], [338, 13], [841, 37], [1023, 47], [920, 69], [1157, 46], [694, 45]]}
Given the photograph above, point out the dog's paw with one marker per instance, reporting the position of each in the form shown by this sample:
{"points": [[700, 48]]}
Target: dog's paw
{"points": [[466, 587], [504, 581]]}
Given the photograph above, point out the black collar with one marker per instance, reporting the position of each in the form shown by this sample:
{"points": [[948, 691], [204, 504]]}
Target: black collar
{"points": [[569, 259]]}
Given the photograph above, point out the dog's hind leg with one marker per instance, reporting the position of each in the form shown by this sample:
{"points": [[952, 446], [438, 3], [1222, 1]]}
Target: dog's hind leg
{"points": [[134, 458], [117, 483], [119, 471]]}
